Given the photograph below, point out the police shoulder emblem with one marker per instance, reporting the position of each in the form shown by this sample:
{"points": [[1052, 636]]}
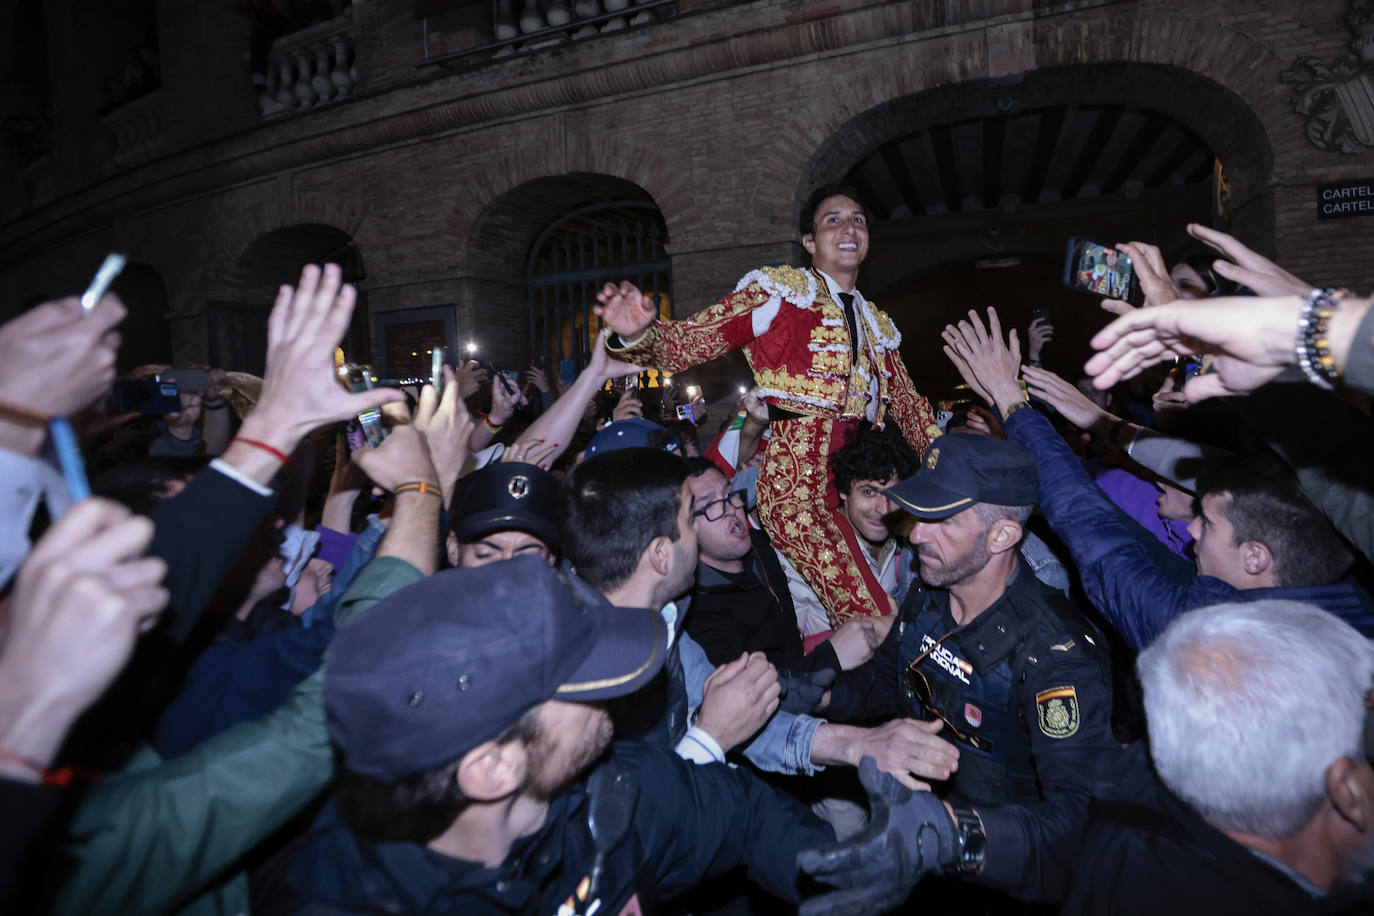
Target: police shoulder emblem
{"points": [[932, 458], [518, 486], [1058, 711]]}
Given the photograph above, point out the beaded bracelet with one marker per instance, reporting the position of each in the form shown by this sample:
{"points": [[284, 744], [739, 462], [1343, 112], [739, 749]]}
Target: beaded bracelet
{"points": [[1313, 345]]}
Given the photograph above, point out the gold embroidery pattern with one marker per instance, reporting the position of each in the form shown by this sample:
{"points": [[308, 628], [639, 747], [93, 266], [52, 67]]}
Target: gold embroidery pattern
{"points": [[911, 411], [792, 507], [679, 345]]}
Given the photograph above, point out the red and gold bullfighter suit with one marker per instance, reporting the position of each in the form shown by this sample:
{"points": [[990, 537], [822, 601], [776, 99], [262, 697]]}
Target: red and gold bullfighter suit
{"points": [[796, 338]]}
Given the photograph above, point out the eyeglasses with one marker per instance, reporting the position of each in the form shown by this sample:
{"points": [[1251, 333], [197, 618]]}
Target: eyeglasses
{"points": [[713, 510], [918, 688]]}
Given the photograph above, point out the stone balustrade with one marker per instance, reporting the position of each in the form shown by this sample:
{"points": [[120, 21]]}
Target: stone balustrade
{"points": [[135, 132], [513, 18], [310, 68]]}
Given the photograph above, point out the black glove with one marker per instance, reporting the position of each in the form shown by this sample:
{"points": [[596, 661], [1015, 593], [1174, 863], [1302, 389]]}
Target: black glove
{"points": [[802, 691], [909, 835]]}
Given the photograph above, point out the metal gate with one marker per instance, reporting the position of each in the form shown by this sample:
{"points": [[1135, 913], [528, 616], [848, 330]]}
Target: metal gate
{"points": [[573, 258]]}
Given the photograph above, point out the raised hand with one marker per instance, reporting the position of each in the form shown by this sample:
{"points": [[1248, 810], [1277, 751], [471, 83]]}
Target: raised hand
{"points": [[471, 377], [300, 389], [403, 457], [1155, 283], [1076, 407], [504, 401], [55, 360], [602, 367], [625, 310], [1040, 332], [1248, 267], [629, 405], [987, 364], [80, 600], [447, 425], [1253, 337]]}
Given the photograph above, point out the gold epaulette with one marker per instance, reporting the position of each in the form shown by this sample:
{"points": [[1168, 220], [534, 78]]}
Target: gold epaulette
{"points": [[793, 285]]}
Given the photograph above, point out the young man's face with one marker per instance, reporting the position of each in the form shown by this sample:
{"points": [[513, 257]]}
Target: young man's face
{"points": [[838, 241], [867, 509], [495, 547], [1214, 542], [725, 539], [682, 570]]}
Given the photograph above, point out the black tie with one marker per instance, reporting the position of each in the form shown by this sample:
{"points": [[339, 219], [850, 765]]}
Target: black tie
{"points": [[848, 300]]}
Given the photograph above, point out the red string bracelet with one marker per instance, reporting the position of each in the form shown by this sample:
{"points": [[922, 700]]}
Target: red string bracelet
{"points": [[56, 778], [275, 453]]}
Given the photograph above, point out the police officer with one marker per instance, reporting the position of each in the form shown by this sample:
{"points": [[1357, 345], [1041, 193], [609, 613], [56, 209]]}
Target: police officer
{"points": [[504, 510], [467, 709], [1007, 664]]}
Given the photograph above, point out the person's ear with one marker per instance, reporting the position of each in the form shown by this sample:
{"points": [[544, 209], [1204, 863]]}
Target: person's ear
{"points": [[1004, 535], [809, 243], [1256, 558], [1349, 794], [659, 555], [451, 548], [491, 771]]}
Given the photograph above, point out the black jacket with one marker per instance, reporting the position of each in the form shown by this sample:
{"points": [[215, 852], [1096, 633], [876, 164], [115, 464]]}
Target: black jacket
{"points": [[752, 612], [690, 823], [1137, 850]]}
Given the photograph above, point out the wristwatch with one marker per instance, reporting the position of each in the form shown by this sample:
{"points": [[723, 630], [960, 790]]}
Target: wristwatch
{"points": [[972, 843]]}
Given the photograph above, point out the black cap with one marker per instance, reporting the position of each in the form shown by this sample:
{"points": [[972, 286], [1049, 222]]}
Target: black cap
{"points": [[960, 469], [437, 668], [507, 496]]}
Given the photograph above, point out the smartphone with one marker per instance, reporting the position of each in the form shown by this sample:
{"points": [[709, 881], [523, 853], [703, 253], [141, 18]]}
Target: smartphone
{"points": [[1040, 312], [147, 395], [358, 377], [1098, 269], [436, 368], [194, 380], [495, 374], [109, 269]]}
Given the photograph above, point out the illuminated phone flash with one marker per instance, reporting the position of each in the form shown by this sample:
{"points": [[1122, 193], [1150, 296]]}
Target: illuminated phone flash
{"points": [[743, 391], [472, 347]]}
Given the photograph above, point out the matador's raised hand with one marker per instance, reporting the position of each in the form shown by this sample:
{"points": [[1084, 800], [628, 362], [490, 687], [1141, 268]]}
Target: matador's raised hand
{"points": [[625, 310]]}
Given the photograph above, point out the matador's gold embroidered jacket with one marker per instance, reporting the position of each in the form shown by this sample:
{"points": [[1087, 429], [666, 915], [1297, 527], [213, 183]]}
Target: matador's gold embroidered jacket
{"points": [[796, 340]]}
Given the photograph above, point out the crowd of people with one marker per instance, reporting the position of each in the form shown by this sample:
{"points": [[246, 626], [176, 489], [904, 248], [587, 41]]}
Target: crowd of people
{"points": [[1093, 644]]}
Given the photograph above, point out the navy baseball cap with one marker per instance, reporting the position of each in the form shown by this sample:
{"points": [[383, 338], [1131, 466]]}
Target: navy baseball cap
{"points": [[632, 432], [437, 668], [507, 496], [960, 469]]}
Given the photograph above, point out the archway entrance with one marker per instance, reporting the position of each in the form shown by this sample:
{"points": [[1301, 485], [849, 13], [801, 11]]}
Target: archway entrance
{"points": [[236, 326], [977, 188]]}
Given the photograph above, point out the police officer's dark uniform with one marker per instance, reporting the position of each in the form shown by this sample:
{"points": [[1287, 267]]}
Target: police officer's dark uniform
{"points": [[1023, 688]]}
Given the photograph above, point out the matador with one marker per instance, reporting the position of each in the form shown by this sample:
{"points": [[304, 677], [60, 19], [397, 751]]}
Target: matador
{"points": [[825, 359]]}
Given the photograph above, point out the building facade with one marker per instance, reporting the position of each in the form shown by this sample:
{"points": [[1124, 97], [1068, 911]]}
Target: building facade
{"points": [[478, 168]]}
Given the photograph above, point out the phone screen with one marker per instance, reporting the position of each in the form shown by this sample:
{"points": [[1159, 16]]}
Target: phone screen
{"points": [[1099, 269]]}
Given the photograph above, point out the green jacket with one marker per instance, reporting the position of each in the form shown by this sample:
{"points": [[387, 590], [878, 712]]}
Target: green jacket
{"points": [[166, 835]]}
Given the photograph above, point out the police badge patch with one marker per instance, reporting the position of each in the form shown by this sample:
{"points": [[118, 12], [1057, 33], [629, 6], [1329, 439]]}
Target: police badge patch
{"points": [[1058, 711]]}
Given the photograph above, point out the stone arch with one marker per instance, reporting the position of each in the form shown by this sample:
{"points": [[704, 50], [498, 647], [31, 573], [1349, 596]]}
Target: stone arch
{"points": [[1138, 56], [145, 335], [647, 169], [500, 243], [236, 320]]}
